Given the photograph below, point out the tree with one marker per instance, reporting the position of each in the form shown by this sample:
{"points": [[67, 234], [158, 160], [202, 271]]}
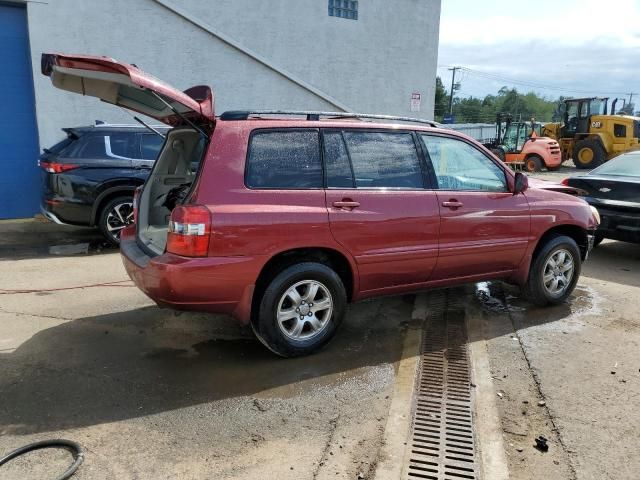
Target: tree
{"points": [[441, 99]]}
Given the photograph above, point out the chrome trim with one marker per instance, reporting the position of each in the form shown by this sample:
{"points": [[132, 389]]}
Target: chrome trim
{"points": [[51, 216]]}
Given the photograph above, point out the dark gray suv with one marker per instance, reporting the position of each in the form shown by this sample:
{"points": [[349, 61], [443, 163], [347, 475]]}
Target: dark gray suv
{"points": [[90, 176]]}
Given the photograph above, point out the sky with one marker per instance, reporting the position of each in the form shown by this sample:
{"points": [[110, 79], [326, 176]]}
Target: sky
{"points": [[552, 47]]}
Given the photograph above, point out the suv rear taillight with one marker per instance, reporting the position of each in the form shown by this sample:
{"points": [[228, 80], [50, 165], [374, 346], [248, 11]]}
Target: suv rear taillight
{"points": [[565, 181], [136, 203], [53, 167], [189, 231]]}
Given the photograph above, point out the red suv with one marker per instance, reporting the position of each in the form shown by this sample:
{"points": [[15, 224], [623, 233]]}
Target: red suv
{"points": [[280, 220]]}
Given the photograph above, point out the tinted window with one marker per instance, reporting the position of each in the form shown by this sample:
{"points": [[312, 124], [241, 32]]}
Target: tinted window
{"points": [[460, 166], [62, 145], [288, 159], [150, 146], [336, 161], [122, 145], [89, 146], [381, 159]]}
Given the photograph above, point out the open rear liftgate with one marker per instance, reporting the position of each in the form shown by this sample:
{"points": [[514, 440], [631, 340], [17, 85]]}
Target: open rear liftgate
{"points": [[442, 437]]}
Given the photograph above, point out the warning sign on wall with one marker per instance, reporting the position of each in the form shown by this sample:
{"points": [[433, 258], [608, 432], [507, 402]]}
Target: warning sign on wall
{"points": [[416, 99]]}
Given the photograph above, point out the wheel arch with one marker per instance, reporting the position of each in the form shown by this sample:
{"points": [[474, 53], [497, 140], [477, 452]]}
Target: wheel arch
{"points": [[338, 261], [106, 196], [577, 233]]}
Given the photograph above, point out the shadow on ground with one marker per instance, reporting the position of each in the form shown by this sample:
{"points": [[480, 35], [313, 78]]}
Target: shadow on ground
{"points": [[40, 238], [139, 362]]}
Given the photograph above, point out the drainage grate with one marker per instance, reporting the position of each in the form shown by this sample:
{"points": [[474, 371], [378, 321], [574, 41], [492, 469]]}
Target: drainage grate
{"points": [[442, 438]]}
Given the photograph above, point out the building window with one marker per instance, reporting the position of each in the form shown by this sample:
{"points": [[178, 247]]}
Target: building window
{"points": [[343, 9]]}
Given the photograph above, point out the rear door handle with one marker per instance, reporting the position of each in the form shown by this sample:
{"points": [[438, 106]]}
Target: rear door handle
{"points": [[453, 204], [346, 204]]}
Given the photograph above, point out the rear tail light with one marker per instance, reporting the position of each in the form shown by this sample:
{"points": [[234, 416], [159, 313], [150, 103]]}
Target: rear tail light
{"points": [[565, 182], [53, 167], [136, 203], [189, 231]]}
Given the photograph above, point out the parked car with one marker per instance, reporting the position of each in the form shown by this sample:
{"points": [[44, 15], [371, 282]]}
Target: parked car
{"points": [[614, 189], [282, 219], [89, 177]]}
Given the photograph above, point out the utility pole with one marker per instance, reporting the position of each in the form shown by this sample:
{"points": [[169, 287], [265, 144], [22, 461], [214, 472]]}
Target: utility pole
{"points": [[453, 83]]}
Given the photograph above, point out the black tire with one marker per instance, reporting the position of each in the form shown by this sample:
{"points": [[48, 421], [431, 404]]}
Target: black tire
{"points": [[535, 289], [533, 163], [110, 225], [266, 325], [588, 153]]}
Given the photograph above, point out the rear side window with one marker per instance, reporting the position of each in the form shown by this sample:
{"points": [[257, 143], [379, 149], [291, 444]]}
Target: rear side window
{"points": [[284, 159], [150, 145], [121, 145], [336, 161], [384, 159], [89, 146]]}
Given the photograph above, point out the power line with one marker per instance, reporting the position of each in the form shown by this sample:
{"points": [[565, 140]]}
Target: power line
{"points": [[493, 76]]}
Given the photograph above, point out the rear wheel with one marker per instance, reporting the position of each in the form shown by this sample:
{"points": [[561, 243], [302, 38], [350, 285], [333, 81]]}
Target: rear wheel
{"points": [[554, 271], [533, 163], [114, 216], [300, 309], [588, 153]]}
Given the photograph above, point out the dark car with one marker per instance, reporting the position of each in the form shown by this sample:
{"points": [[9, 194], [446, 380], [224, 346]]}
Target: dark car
{"points": [[614, 189], [90, 176]]}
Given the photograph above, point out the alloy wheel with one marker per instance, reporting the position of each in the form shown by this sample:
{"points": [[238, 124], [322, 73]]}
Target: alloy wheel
{"points": [[120, 216], [304, 310], [558, 272]]}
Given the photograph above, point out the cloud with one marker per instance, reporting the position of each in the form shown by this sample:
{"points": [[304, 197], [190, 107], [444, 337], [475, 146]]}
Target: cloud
{"points": [[577, 46]]}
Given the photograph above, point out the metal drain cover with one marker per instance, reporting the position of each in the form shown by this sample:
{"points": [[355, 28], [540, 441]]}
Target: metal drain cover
{"points": [[442, 436]]}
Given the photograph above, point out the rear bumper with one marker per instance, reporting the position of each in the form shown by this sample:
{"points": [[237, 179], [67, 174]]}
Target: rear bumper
{"points": [[51, 216], [209, 284]]}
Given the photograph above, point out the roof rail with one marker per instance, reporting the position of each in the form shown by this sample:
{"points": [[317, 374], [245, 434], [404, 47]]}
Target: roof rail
{"points": [[314, 116]]}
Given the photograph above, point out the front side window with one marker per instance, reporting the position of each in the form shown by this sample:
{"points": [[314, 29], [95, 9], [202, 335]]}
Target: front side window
{"points": [[284, 159], [460, 166], [384, 159]]}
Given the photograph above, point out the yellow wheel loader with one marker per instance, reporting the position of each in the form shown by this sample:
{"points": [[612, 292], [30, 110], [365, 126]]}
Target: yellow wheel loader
{"points": [[591, 135]]}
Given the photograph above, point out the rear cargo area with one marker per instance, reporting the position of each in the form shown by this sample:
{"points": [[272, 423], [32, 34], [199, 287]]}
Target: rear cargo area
{"points": [[171, 178]]}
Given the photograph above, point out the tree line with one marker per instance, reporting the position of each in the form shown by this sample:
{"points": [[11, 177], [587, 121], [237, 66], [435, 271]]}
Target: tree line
{"points": [[507, 100]]}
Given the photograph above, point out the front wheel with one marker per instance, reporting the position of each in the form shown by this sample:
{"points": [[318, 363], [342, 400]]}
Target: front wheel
{"points": [[115, 216], [588, 153], [300, 309], [533, 163], [554, 271]]}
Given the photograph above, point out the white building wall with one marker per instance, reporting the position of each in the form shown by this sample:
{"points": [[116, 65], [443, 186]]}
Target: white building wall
{"points": [[371, 65]]}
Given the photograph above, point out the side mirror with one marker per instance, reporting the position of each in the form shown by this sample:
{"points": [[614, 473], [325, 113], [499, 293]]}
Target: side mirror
{"points": [[521, 183]]}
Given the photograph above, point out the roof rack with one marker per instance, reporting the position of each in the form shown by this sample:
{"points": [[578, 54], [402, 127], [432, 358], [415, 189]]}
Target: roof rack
{"points": [[315, 116]]}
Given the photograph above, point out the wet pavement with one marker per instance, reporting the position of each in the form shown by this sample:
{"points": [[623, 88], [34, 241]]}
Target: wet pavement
{"points": [[155, 394]]}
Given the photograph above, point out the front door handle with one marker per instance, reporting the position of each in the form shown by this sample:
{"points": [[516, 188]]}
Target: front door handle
{"points": [[452, 203], [346, 204]]}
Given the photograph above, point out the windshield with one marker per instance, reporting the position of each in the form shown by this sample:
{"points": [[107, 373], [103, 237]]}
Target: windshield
{"points": [[627, 165]]}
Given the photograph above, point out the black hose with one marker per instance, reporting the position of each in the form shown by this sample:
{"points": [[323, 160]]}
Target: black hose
{"points": [[73, 447]]}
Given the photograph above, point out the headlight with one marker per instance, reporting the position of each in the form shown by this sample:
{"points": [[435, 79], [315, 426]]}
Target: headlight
{"points": [[596, 214]]}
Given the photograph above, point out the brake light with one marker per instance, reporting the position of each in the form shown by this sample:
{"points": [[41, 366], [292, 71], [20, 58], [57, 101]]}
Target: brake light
{"points": [[136, 203], [53, 167], [565, 182], [189, 231]]}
